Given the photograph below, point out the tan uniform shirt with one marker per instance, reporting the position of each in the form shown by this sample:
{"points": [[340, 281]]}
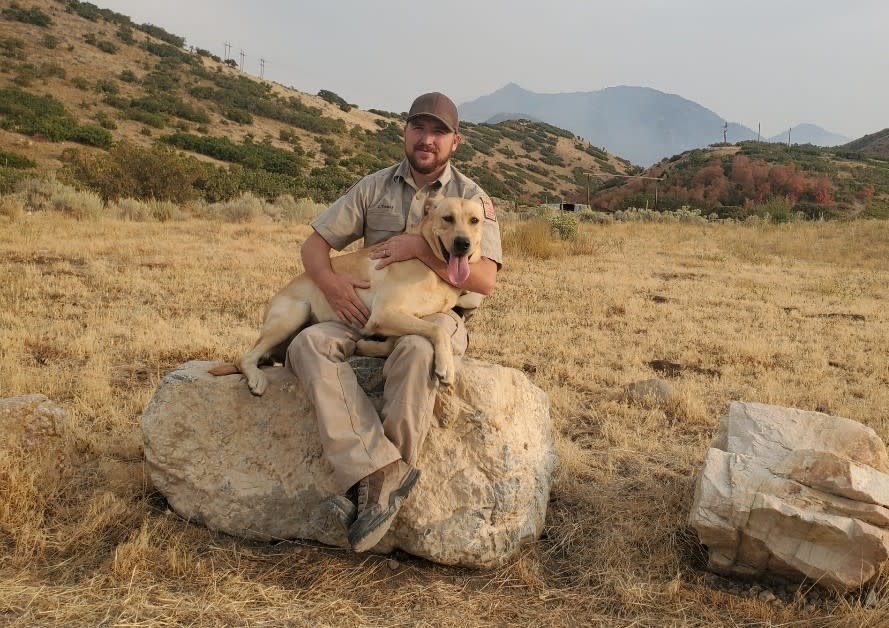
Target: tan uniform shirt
{"points": [[384, 203]]}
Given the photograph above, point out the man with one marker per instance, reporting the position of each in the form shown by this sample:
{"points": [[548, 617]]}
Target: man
{"points": [[381, 455]]}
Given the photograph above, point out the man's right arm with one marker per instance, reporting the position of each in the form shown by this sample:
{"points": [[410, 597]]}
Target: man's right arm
{"points": [[338, 289]]}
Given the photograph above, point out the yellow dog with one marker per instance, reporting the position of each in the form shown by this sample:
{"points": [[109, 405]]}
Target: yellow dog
{"points": [[398, 298]]}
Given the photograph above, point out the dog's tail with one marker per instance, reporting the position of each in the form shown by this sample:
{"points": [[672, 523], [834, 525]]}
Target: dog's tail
{"points": [[224, 369]]}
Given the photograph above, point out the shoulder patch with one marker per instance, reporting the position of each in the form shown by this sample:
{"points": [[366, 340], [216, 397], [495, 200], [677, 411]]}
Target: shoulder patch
{"points": [[488, 206]]}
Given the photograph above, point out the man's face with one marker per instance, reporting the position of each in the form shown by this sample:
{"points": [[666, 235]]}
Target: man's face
{"points": [[428, 144]]}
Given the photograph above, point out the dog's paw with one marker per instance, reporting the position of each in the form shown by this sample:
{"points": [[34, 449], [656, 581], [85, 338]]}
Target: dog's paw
{"points": [[444, 370], [257, 383]]}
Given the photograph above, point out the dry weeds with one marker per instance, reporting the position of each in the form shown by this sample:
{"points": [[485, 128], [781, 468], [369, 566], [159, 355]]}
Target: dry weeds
{"points": [[93, 313]]}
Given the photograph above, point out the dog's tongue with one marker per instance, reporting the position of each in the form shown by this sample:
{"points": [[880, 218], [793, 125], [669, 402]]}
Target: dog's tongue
{"points": [[458, 269]]}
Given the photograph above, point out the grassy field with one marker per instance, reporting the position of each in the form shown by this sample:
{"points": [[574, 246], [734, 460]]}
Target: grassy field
{"points": [[94, 312]]}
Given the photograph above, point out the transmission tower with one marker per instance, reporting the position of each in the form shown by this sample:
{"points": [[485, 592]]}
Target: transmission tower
{"points": [[261, 67], [242, 58]]}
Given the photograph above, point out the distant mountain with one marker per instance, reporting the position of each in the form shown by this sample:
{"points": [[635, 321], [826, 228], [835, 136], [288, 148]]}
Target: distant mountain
{"points": [[640, 124], [810, 134], [876, 144]]}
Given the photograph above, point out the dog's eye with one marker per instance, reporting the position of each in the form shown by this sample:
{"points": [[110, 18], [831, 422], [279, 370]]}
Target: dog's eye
{"points": [[448, 218], [474, 220]]}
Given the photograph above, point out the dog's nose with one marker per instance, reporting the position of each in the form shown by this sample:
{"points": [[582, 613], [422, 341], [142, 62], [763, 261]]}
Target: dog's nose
{"points": [[461, 245]]}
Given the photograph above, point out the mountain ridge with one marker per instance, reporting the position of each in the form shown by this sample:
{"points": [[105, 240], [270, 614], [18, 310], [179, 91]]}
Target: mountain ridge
{"points": [[641, 124]]}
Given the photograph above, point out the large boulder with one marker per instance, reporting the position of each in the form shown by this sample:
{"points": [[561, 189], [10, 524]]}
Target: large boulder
{"points": [[798, 494], [252, 466]]}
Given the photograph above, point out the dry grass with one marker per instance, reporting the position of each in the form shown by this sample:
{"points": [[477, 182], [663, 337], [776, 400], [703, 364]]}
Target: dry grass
{"points": [[93, 313]]}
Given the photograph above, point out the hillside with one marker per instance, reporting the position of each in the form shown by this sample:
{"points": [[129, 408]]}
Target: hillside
{"points": [[810, 134], [87, 92], [640, 124], [875, 144], [757, 178]]}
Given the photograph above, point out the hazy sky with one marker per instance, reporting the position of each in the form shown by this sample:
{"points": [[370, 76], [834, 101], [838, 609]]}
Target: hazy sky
{"points": [[774, 62]]}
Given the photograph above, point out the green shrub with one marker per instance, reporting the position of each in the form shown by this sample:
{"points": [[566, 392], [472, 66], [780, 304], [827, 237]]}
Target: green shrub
{"points": [[12, 47], [125, 34], [334, 99], [156, 120], [238, 115], [257, 98], [778, 209], [105, 121], [171, 104], [563, 224], [107, 86], [10, 178], [132, 171], [29, 16], [81, 83], [168, 51], [107, 46], [44, 115], [128, 76], [159, 33], [49, 41], [248, 154], [877, 209], [14, 160]]}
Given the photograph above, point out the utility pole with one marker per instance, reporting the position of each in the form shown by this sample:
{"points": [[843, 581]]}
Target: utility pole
{"points": [[788, 136], [758, 131], [588, 188], [242, 59], [725, 133], [261, 67], [228, 51]]}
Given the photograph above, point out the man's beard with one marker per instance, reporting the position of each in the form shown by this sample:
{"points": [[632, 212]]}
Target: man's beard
{"points": [[437, 163]]}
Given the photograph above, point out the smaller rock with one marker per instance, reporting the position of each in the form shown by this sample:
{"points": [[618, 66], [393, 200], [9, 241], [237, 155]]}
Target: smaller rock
{"points": [[872, 600], [766, 596], [393, 564], [657, 390], [32, 426]]}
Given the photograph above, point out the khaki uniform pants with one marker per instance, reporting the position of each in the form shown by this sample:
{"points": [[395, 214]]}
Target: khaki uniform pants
{"points": [[355, 440]]}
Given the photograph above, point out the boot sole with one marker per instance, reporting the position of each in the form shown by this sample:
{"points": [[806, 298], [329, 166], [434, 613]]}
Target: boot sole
{"points": [[374, 530]]}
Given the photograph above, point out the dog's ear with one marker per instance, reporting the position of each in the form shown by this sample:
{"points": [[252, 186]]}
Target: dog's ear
{"points": [[431, 202]]}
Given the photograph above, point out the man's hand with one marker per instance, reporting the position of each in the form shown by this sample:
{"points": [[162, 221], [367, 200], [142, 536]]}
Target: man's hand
{"points": [[399, 248], [340, 293], [338, 289]]}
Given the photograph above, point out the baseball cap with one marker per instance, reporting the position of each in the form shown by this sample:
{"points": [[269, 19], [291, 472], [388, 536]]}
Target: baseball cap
{"points": [[438, 106]]}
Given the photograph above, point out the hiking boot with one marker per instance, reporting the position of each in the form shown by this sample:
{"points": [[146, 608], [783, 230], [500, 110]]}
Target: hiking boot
{"points": [[380, 496], [329, 521], [340, 511]]}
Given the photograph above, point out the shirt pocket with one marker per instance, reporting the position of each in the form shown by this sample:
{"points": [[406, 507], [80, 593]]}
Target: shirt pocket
{"points": [[383, 223]]}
